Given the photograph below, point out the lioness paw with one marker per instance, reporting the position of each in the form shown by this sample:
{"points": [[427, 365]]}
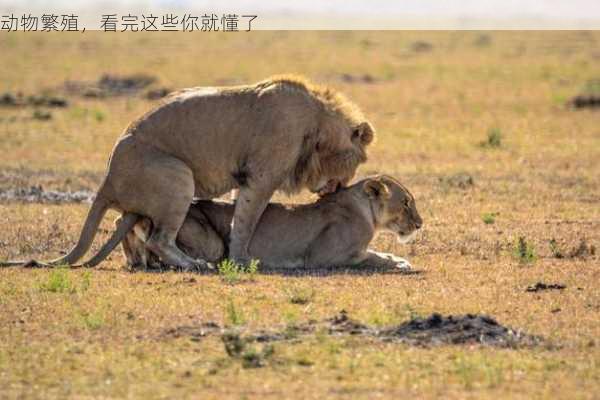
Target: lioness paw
{"points": [[403, 264]]}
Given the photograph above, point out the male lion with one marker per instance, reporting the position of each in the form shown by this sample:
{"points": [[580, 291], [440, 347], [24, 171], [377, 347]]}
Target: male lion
{"points": [[334, 231], [279, 134]]}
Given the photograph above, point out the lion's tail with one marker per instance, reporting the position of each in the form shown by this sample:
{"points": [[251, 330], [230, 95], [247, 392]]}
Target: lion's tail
{"points": [[88, 232], [127, 222], [99, 207]]}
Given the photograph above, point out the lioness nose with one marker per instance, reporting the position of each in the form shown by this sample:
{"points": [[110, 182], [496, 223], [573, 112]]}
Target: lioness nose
{"points": [[418, 224]]}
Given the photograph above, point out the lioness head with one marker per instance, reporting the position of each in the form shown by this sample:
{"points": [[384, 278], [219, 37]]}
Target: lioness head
{"points": [[393, 207]]}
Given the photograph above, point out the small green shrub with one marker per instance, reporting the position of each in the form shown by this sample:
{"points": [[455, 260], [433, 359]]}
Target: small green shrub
{"points": [[41, 115], [253, 358], [494, 138], [234, 344], [99, 116], [93, 321], [239, 348], [59, 281], [233, 273], [524, 251], [86, 281], [554, 249], [300, 295], [489, 218], [234, 316]]}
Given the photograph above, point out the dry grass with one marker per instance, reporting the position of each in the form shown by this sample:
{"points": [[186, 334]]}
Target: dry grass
{"points": [[105, 333]]}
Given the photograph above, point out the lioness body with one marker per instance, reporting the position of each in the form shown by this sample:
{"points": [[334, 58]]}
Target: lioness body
{"points": [[334, 231]]}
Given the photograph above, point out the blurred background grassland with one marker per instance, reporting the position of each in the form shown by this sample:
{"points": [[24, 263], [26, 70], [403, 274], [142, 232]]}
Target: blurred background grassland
{"points": [[431, 95]]}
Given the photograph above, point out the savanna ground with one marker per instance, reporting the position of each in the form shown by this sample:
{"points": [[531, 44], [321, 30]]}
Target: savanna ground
{"points": [[475, 124]]}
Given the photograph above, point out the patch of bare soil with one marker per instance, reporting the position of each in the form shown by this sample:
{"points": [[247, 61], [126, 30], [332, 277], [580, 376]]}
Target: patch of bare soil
{"points": [[155, 94], [588, 97], [364, 78], [9, 99], [195, 333], [540, 286], [110, 85], [582, 102], [36, 194], [65, 181], [421, 46], [433, 330]]}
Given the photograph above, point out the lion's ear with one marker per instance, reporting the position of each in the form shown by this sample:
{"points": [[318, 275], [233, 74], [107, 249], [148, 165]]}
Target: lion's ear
{"points": [[364, 132], [376, 189]]}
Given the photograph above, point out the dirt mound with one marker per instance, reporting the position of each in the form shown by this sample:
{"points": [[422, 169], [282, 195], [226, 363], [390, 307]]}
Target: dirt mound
{"points": [[36, 194], [588, 97], [581, 102], [436, 330], [462, 329], [342, 323], [110, 85], [428, 331]]}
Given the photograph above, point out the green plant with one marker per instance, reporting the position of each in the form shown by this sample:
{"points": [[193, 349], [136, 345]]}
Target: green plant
{"points": [[234, 316], [99, 116], [489, 218], [42, 115], [300, 295], [494, 138], [238, 347], [465, 369], [86, 281], [252, 358], [234, 344], [556, 253], [59, 281], [592, 87], [233, 273], [524, 251], [93, 321]]}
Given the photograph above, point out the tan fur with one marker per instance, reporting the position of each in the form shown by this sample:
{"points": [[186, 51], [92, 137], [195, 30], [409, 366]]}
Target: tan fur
{"points": [[334, 231], [283, 133]]}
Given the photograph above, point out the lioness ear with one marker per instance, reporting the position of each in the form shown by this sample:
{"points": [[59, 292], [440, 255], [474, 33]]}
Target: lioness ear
{"points": [[364, 132], [376, 189]]}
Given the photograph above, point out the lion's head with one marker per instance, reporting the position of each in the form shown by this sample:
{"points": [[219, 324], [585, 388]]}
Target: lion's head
{"points": [[333, 152], [393, 207]]}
